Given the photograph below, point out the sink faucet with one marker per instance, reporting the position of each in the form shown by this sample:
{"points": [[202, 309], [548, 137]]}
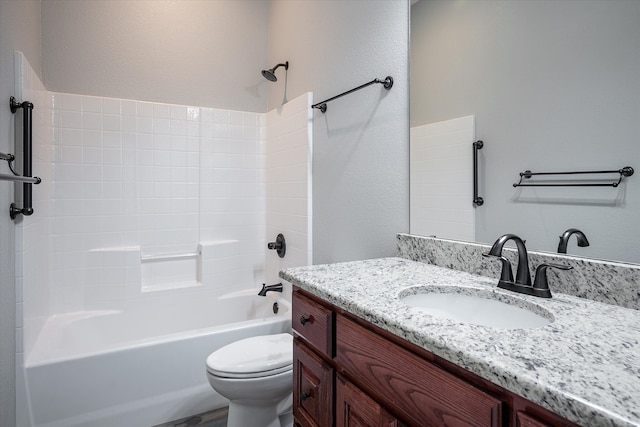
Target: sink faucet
{"points": [[270, 288], [522, 284], [564, 239], [522, 275]]}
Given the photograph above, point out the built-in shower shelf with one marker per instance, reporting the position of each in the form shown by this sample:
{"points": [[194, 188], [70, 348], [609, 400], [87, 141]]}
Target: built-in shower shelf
{"points": [[170, 286], [170, 270], [168, 257]]}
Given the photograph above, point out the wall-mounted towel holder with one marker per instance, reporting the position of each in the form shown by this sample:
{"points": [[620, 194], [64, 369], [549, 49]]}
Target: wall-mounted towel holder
{"points": [[477, 200], [387, 83], [626, 171], [26, 178]]}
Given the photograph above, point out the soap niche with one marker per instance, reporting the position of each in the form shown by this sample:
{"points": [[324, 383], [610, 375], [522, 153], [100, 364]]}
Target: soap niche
{"points": [[170, 271]]}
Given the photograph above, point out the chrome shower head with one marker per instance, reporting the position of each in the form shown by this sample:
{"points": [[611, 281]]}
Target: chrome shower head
{"points": [[271, 73]]}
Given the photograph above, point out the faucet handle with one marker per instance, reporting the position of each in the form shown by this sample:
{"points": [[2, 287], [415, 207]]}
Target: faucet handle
{"points": [[540, 282], [506, 274], [280, 245]]}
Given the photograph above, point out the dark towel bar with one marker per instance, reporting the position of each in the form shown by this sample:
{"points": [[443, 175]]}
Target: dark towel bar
{"points": [[624, 172], [26, 178], [477, 200], [387, 82]]}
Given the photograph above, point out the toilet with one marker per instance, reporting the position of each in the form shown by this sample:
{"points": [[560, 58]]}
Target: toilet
{"points": [[256, 375]]}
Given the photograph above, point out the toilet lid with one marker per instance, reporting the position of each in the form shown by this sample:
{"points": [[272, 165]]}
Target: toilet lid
{"points": [[253, 357]]}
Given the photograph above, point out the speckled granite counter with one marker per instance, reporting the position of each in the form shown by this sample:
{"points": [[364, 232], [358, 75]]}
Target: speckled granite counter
{"points": [[584, 366]]}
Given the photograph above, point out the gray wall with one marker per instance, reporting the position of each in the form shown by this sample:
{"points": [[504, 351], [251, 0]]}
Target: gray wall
{"points": [[205, 53], [361, 150], [19, 30], [554, 85]]}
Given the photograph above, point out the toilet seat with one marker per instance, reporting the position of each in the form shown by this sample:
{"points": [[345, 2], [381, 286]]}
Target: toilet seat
{"points": [[253, 357]]}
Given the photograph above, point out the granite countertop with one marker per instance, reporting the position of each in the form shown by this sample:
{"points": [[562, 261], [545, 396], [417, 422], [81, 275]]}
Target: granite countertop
{"points": [[584, 366]]}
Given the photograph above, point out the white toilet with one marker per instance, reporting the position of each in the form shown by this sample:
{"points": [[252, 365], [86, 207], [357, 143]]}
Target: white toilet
{"points": [[256, 375]]}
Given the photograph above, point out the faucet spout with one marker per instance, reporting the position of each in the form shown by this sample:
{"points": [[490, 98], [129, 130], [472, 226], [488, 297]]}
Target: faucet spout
{"points": [[564, 240], [270, 288], [523, 277]]}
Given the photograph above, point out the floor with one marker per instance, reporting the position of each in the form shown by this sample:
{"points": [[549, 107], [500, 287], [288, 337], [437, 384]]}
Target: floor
{"points": [[217, 418]]}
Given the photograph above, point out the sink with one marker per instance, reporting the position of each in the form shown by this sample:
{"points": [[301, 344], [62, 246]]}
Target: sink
{"points": [[476, 307]]}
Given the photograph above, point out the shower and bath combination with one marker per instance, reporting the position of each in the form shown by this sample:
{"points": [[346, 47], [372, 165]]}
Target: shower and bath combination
{"points": [[270, 74]]}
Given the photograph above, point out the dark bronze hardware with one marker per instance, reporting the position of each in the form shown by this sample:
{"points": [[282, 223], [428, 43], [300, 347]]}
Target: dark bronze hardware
{"points": [[564, 240], [477, 200], [270, 288], [304, 320], [522, 283], [26, 178], [387, 83], [280, 245], [626, 171]]}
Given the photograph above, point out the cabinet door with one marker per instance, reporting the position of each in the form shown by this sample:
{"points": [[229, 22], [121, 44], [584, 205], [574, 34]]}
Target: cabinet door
{"points": [[355, 409], [312, 387]]}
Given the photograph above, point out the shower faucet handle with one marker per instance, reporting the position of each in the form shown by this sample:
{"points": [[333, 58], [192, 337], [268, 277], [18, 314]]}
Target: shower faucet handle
{"points": [[280, 246], [274, 245]]}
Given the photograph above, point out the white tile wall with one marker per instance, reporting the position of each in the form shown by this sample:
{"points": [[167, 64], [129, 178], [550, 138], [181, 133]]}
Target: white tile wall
{"points": [[33, 251], [155, 176], [441, 190], [288, 164]]}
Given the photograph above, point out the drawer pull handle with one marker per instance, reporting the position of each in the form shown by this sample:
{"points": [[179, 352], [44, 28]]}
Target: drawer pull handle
{"points": [[305, 395], [304, 319]]}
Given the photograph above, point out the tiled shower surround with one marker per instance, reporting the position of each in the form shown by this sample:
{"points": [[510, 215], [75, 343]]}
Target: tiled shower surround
{"points": [[139, 180], [141, 198]]}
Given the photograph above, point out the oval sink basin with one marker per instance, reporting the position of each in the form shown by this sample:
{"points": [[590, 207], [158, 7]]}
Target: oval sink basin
{"points": [[476, 307]]}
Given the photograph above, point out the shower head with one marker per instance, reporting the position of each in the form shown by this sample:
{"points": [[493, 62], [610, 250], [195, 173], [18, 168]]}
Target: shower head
{"points": [[271, 73]]}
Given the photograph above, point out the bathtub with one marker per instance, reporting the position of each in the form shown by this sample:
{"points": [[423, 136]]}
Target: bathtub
{"points": [[142, 365]]}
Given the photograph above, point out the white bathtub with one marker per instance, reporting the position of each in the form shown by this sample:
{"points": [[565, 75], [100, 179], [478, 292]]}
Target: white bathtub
{"points": [[143, 365]]}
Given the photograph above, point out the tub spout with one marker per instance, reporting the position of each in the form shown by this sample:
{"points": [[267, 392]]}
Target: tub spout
{"points": [[270, 288]]}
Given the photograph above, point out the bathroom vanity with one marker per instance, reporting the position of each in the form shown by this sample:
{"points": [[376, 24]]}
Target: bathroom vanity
{"points": [[363, 357]]}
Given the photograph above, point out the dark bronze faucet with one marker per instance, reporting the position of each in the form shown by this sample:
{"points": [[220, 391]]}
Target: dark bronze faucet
{"points": [[564, 239], [523, 277], [522, 284], [270, 288]]}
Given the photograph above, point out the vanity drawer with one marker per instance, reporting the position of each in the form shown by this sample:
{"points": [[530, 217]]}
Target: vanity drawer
{"points": [[416, 388], [312, 387], [314, 322]]}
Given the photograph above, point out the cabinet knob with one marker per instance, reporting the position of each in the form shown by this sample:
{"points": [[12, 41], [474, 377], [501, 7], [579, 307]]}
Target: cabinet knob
{"points": [[304, 319], [305, 395]]}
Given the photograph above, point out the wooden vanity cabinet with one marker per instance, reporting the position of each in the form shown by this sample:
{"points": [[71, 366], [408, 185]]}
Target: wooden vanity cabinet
{"points": [[355, 408], [313, 387], [313, 373], [348, 372]]}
